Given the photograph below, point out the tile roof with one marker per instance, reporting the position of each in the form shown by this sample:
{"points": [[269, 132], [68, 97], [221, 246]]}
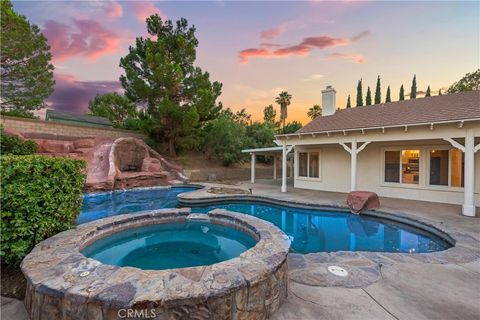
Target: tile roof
{"points": [[72, 116], [447, 107]]}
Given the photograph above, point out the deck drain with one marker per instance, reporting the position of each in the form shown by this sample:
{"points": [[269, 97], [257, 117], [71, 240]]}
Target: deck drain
{"points": [[338, 271]]}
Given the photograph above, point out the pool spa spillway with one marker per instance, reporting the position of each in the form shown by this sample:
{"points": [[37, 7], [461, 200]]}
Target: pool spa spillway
{"points": [[164, 264]]}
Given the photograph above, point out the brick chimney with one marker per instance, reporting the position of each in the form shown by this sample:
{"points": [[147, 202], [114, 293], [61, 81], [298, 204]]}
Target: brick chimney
{"points": [[328, 101]]}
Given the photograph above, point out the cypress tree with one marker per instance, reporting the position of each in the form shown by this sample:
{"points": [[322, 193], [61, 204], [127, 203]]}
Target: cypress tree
{"points": [[359, 94], [413, 92], [378, 93], [401, 96], [368, 99], [348, 102], [428, 93], [388, 98]]}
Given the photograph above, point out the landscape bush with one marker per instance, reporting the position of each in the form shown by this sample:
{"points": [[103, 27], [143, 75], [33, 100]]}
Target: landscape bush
{"points": [[14, 145], [40, 197]]}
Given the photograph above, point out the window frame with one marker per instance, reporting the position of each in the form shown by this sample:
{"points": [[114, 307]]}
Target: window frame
{"points": [[424, 168], [297, 164], [449, 186]]}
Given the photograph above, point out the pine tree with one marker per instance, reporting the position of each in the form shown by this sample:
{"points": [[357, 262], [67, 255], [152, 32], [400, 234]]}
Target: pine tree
{"points": [[413, 92], [388, 98], [401, 95], [428, 93], [368, 99], [440, 92], [25, 68], [348, 102], [359, 94], [378, 93]]}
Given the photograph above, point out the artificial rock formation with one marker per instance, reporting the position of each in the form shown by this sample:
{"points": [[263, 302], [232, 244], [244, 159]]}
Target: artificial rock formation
{"points": [[116, 163]]}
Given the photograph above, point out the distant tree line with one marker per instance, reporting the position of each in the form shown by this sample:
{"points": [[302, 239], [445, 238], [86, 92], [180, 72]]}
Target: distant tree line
{"points": [[471, 81]]}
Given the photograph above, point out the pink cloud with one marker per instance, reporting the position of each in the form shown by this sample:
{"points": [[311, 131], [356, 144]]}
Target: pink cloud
{"points": [[298, 50], [86, 38], [142, 10], [357, 58], [304, 48], [113, 9], [273, 32], [268, 44], [244, 55], [72, 94], [323, 42]]}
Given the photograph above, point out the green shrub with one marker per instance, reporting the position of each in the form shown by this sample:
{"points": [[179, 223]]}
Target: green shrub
{"points": [[15, 145], [224, 140], [40, 196]]}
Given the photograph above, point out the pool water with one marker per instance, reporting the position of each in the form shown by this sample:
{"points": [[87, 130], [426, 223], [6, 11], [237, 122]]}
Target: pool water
{"points": [[309, 230], [102, 205], [327, 231], [170, 245]]}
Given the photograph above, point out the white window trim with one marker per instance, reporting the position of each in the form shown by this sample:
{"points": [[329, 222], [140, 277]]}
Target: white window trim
{"points": [[297, 164], [405, 185], [424, 168], [441, 187]]}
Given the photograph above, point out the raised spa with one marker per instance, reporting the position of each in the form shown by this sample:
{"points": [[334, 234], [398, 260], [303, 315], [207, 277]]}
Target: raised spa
{"points": [[168, 263], [171, 245]]}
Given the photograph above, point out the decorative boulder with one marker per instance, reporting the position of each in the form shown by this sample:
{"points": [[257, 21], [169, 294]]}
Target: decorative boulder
{"points": [[359, 201]]}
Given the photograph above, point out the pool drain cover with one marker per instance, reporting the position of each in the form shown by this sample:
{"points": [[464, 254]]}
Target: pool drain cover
{"points": [[338, 271]]}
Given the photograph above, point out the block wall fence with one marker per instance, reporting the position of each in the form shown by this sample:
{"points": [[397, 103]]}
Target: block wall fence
{"points": [[34, 128]]}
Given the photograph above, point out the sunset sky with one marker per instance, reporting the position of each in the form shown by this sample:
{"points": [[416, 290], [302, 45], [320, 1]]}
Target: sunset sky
{"points": [[257, 49]]}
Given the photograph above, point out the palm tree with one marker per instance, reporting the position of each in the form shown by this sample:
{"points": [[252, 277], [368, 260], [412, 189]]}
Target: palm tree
{"points": [[314, 111], [283, 100]]}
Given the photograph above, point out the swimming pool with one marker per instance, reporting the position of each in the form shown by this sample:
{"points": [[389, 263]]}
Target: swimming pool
{"points": [[309, 230]]}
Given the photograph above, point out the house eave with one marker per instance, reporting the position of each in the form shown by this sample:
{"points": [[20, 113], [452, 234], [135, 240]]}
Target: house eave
{"points": [[363, 129]]}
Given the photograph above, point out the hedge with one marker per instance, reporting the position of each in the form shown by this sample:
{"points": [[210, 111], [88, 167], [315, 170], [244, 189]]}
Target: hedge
{"points": [[14, 145], [40, 197]]}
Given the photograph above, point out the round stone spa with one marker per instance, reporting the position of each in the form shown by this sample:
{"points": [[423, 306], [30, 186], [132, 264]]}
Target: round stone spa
{"points": [[168, 264], [171, 245]]}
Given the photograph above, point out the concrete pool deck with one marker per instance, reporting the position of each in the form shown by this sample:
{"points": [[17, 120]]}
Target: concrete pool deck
{"points": [[414, 288], [407, 290]]}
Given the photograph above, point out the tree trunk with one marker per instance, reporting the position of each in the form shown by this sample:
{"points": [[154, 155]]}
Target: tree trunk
{"points": [[171, 147]]}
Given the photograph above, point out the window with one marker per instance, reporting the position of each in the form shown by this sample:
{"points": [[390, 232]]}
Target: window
{"points": [[457, 168], [313, 165], [439, 167], [309, 164], [392, 166], [402, 166], [303, 164], [410, 166], [446, 168]]}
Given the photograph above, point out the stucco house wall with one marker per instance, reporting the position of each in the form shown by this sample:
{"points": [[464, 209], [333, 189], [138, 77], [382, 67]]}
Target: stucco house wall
{"points": [[335, 164]]}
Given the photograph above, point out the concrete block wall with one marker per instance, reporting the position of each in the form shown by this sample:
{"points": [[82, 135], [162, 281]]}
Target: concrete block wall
{"points": [[34, 128]]}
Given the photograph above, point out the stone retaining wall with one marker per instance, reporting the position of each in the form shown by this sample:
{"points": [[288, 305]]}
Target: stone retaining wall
{"points": [[34, 128]]}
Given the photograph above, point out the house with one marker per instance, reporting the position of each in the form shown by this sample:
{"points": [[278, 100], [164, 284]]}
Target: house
{"points": [[77, 118], [421, 149]]}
